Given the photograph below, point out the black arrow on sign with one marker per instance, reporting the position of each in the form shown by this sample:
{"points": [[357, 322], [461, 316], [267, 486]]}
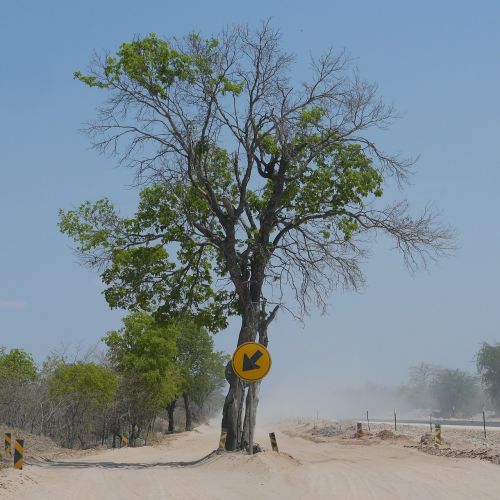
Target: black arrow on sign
{"points": [[251, 363]]}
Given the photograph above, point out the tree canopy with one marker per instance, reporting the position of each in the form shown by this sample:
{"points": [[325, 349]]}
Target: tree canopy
{"points": [[87, 384], [144, 352], [252, 180], [82, 390], [17, 365], [201, 366]]}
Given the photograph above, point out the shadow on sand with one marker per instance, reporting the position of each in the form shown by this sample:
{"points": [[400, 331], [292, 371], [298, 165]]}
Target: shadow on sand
{"points": [[124, 465]]}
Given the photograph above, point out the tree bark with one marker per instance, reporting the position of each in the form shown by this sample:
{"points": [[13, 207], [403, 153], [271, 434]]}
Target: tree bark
{"points": [[231, 413], [133, 435], [250, 413], [187, 408], [170, 412]]}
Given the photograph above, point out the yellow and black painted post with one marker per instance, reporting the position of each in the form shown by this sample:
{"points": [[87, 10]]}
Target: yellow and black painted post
{"points": [[8, 443], [222, 440], [124, 441], [274, 443], [437, 434], [359, 429], [19, 454]]}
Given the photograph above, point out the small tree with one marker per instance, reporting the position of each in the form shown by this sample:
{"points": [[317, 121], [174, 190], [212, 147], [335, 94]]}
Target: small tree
{"points": [[17, 365], [202, 368], [143, 353], [84, 390], [418, 390], [17, 372], [488, 366], [258, 183], [454, 392]]}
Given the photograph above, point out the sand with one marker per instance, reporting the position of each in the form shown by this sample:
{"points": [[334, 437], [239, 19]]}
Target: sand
{"points": [[345, 469]]}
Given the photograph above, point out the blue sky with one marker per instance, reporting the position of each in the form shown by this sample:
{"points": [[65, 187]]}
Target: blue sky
{"points": [[438, 62]]}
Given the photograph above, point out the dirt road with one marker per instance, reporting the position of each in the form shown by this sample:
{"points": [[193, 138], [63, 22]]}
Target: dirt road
{"points": [[305, 470]]}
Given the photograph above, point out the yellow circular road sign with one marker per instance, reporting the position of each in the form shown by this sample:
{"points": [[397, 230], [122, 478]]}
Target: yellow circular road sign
{"points": [[251, 361]]}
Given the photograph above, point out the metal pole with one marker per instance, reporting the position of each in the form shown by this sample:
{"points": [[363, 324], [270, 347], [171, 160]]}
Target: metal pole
{"points": [[395, 421], [367, 421], [250, 427], [484, 424], [430, 422]]}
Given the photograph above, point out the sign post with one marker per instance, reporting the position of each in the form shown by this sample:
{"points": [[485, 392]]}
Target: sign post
{"points": [[19, 454], [8, 443], [251, 362], [250, 411]]}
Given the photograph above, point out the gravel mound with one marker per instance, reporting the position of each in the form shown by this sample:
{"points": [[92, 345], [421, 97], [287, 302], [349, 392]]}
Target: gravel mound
{"points": [[385, 434], [327, 431]]}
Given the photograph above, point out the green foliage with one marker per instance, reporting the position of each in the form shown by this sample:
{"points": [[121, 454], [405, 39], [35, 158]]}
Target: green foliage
{"points": [[140, 273], [87, 383], [17, 365], [143, 352], [84, 404], [488, 366], [90, 224], [169, 256], [150, 63], [202, 368]]}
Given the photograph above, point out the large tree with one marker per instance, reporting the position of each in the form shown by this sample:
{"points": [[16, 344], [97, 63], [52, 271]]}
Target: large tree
{"points": [[258, 185]]}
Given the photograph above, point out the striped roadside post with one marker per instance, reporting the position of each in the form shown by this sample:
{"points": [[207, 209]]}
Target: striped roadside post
{"points": [[8, 443], [437, 434], [274, 443], [222, 440], [19, 454]]}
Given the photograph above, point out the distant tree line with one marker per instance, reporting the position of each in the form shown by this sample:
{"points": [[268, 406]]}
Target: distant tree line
{"points": [[147, 368], [449, 392]]}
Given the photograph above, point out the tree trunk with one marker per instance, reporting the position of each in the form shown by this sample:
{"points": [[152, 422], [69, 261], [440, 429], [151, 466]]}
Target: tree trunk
{"points": [[250, 413], [231, 413], [132, 436], [254, 321], [187, 408], [170, 411], [103, 434]]}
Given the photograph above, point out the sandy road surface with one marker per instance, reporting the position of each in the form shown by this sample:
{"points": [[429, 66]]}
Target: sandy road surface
{"points": [[330, 470]]}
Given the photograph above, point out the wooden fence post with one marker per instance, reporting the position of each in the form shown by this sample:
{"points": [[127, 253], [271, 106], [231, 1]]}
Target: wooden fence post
{"points": [[274, 443]]}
